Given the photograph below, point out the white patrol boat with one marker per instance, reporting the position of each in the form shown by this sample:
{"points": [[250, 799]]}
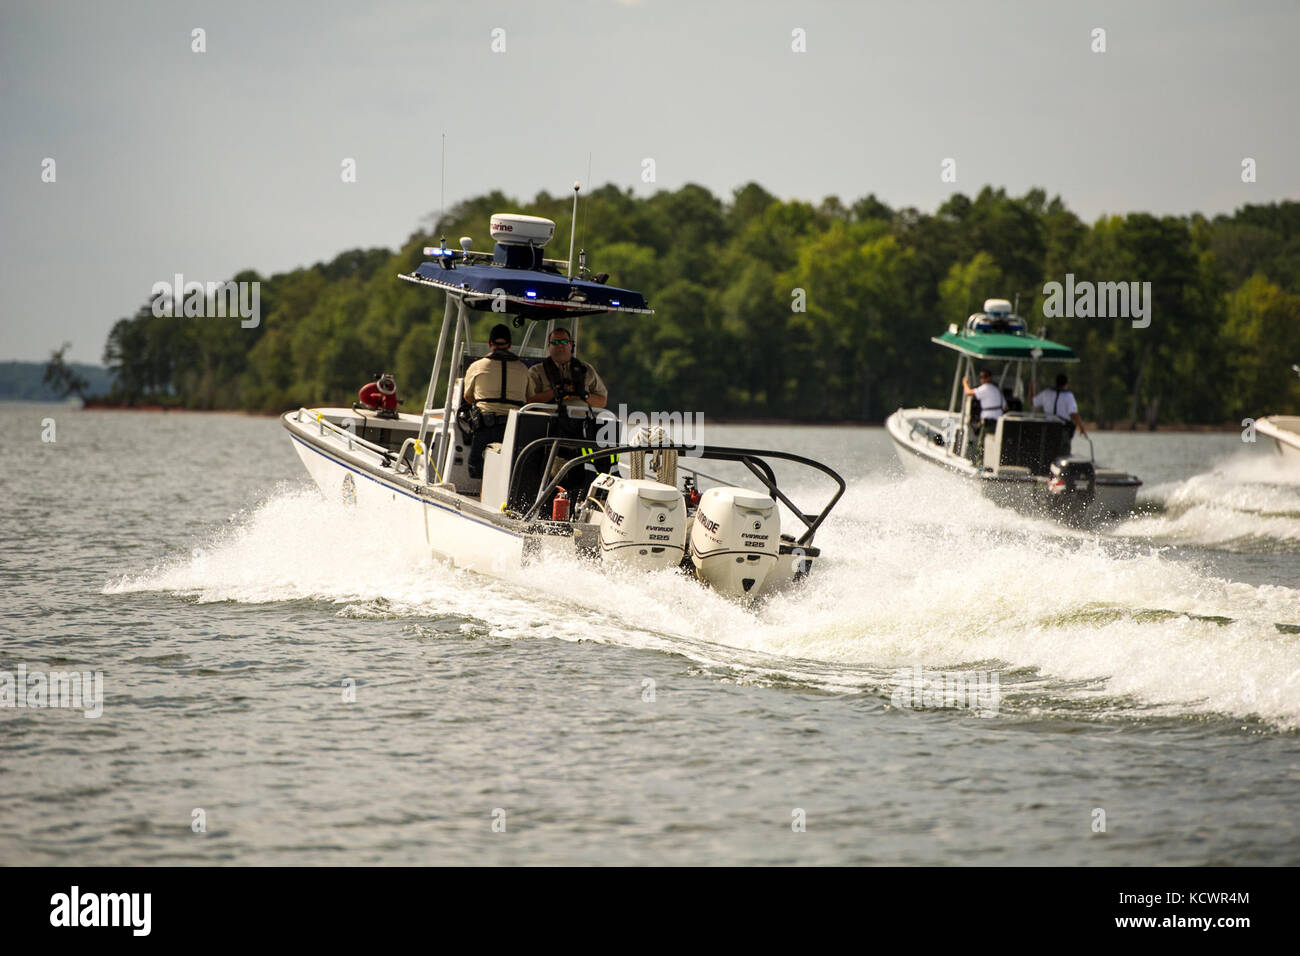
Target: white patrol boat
{"points": [[1284, 430], [1027, 462], [653, 509]]}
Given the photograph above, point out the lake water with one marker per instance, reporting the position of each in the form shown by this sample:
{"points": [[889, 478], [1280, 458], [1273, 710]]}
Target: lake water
{"points": [[1147, 676]]}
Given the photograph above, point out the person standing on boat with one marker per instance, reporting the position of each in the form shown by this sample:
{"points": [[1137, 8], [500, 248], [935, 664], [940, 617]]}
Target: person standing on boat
{"points": [[561, 377], [992, 405], [1059, 401], [494, 384]]}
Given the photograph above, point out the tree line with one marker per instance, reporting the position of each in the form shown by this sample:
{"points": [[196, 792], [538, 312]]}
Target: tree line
{"points": [[775, 309]]}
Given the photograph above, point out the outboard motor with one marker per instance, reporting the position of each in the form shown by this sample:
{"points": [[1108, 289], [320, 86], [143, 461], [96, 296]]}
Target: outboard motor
{"points": [[1071, 486], [640, 523], [735, 539]]}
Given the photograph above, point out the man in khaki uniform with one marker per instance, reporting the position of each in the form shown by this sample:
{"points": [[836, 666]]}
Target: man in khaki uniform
{"points": [[562, 378], [560, 372], [494, 384]]}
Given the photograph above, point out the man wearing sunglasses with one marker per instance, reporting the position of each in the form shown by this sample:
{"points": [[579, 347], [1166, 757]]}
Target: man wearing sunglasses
{"points": [[562, 378]]}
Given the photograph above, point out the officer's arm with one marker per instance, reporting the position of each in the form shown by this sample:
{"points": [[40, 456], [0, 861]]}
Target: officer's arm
{"points": [[1078, 423], [597, 401], [542, 394]]}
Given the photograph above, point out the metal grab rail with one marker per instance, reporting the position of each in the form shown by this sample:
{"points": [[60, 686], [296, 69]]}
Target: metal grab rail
{"points": [[752, 458], [535, 407], [352, 437]]}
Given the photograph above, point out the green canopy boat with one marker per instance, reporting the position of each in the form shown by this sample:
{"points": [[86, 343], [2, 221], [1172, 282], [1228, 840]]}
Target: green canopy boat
{"points": [[1005, 345], [1026, 459]]}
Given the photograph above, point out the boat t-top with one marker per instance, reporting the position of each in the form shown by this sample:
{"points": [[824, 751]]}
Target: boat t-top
{"points": [[652, 503], [1027, 461]]}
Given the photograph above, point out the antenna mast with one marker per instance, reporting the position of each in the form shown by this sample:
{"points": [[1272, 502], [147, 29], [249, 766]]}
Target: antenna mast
{"points": [[573, 229]]}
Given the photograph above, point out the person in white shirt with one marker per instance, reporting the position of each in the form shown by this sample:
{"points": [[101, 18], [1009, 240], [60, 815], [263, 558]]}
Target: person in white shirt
{"points": [[992, 405], [1059, 401]]}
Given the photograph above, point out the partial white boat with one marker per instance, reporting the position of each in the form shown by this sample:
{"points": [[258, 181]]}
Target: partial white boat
{"points": [[410, 471], [1027, 463], [1285, 432]]}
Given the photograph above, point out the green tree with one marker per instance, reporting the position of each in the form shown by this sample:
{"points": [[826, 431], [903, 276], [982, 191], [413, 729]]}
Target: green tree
{"points": [[60, 376]]}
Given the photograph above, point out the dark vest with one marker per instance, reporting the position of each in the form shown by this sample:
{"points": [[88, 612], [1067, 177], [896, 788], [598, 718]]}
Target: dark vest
{"points": [[503, 358], [577, 371]]}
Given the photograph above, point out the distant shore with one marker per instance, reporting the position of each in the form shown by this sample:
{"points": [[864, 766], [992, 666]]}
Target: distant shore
{"points": [[1226, 428]]}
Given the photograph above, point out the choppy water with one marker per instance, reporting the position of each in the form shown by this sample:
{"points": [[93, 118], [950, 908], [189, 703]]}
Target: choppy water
{"points": [[1151, 671]]}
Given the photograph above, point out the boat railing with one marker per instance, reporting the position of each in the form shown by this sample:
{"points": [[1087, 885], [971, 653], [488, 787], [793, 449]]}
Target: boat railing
{"points": [[751, 458], [413, 453], [353, 440], [602, 414]]}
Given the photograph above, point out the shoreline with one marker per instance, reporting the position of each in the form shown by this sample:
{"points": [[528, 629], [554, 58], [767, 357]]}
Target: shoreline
{"points": [[1228, 428]]}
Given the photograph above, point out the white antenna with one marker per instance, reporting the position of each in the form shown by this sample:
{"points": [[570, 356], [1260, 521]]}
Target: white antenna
{"points": [[573, 228], [442, 199], [584, 212]]}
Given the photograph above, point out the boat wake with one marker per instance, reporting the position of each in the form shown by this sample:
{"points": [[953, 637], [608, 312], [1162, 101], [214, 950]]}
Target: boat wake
{"points": [[917, 574], [1249, 503]]}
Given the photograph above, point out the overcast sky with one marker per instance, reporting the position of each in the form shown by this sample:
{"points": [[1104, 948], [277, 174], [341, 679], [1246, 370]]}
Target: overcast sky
{"points": [[173, 161]]}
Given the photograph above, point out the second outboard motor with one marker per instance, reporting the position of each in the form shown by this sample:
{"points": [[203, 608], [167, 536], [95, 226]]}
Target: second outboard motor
{"points": [[735, 539], [1071, 486]]}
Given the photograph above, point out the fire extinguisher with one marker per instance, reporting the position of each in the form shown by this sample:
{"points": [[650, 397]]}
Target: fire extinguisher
{"points": [[692, 492], [560, 505]]}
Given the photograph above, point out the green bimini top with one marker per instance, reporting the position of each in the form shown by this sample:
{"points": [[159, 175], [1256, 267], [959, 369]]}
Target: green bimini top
{"points": [[1005, 345]]}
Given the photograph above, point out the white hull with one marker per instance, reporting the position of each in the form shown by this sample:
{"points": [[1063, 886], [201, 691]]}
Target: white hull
{"points": [[920, 453], [1285, 432], [434, 528], [433, 520]]}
